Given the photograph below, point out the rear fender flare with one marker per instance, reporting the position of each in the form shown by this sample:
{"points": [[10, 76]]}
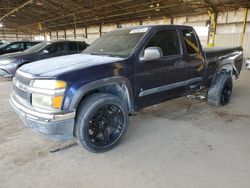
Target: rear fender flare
{"points": [[226, 66], [227, 63]]}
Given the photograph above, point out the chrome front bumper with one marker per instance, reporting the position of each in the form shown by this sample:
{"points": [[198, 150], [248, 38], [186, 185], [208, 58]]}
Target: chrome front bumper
{"points": [[57, 126]]}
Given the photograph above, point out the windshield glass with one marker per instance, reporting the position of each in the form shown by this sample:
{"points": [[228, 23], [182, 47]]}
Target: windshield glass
{"points": [[117, 43], [37, 47]]}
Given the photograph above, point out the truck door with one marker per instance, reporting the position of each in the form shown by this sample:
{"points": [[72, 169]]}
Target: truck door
{"points": [[164, 78], [195, 60]]}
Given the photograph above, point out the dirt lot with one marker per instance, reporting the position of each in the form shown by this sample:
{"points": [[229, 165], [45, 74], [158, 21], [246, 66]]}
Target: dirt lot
{"points": [[181, 143]]}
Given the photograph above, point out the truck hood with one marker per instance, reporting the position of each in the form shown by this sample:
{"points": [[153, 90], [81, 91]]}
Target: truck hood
{"points": [[55, 66]]}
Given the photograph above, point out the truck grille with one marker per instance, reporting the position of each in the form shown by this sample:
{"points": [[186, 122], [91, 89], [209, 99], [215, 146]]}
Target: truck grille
{"points": [[22, 79], [19, 92]]}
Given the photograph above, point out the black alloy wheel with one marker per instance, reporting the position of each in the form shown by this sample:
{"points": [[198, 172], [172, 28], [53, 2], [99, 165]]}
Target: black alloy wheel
{"points": [[106, 125], [101, 121], [220, 91], [226, 93]]}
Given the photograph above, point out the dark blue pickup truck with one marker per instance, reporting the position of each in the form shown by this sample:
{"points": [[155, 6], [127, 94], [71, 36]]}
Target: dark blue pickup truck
{"points": [[89, 96]]}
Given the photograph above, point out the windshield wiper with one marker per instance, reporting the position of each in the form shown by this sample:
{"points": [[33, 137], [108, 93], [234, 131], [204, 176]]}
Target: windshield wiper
{"points": [[101, 54], [92, 53]]}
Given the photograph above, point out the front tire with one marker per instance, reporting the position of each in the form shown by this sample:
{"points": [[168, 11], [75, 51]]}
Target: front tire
{"points": [[101, 122], [219, 93]]}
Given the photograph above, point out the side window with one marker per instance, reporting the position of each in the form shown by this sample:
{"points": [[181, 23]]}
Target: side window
{"points": [[15, 46], [29, 44], [73, 46], [57, 47], [167, 40], [82, 46], [190, 41]]}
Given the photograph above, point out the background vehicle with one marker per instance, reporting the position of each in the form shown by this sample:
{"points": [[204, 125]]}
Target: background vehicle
{"points": [[1, 43], [88, 96], [10, 62], [16, 46]]}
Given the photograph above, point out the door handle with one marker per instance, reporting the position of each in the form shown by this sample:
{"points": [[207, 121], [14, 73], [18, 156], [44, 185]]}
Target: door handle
{"points": [[179, 63]]}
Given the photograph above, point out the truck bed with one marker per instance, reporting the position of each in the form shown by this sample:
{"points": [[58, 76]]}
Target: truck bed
{"points": [[220, 51], [219, 55]]}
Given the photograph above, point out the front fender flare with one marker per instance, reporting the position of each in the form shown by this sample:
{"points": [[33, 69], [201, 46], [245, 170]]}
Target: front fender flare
{"points": [[82, 91]]}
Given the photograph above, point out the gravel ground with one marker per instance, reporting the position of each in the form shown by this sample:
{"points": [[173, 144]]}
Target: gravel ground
{"points": [[183, 143]]}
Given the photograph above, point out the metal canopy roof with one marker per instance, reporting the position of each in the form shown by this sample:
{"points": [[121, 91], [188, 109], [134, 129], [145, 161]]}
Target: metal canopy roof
{"points": [[32, 15]]}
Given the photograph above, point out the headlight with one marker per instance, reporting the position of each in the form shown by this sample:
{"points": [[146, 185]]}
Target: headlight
{"points": [[49, 84], [5, 62], [47, 102], [45, 99]]}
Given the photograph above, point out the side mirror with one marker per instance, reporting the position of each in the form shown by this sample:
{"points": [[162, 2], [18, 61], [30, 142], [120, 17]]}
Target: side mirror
{"points": [[247, 63], [45, 51], [152, 53]]}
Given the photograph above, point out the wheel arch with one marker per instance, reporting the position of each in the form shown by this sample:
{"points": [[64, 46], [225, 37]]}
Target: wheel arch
{"points": [[226, 66], [230, 62], [118, 86]]}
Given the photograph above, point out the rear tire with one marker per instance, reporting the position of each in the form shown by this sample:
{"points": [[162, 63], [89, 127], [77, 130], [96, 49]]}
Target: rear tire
{"points": [[101, 121], [220, 91]]}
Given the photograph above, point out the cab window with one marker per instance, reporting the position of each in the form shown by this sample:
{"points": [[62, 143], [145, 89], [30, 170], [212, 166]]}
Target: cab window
{"points": [[167, 40], [190, 41]]}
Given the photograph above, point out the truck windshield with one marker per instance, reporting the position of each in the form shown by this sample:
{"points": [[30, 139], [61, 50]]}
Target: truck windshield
{"points": [[117, 43], [37, 47]]}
